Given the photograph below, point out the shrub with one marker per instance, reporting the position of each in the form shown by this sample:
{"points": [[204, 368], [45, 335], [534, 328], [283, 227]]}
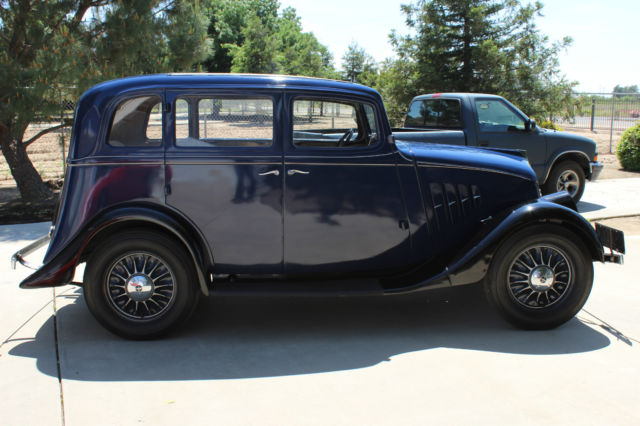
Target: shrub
{"points": [[628, 150], [546, 124]]}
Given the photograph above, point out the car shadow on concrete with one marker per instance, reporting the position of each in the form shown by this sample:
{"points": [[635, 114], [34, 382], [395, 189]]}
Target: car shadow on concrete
{"points": [[250, 337]]}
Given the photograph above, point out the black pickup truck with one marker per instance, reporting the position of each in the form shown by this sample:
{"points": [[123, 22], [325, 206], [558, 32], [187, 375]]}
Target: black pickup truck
{"points": [[561, 161]]}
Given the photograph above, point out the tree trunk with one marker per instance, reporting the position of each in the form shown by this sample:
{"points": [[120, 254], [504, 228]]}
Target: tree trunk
{"points": [[29, 182]]}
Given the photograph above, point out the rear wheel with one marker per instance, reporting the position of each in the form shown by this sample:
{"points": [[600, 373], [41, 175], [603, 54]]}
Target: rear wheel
{"points": [[539, 278], [141, 285]]}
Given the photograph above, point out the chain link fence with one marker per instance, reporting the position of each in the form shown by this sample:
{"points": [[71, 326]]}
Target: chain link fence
{"points": [[603, 111]]}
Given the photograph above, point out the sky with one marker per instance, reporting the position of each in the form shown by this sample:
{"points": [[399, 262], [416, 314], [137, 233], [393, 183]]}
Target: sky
{"points": [[606, 34]]}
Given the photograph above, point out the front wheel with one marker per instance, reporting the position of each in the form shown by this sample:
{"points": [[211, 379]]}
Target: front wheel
{"points": [[566, 176], [539, 278], [141, 285]]}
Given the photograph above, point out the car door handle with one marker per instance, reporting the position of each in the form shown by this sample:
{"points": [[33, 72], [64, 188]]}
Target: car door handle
{"points": [[483, 143], [292, 172], [270, 172]]}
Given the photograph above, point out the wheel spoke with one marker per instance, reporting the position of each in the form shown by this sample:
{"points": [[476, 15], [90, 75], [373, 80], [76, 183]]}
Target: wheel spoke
{"points": [[539, 276], [133, 291]]}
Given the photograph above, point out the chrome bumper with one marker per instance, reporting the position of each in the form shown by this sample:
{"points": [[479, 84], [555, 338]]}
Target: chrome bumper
{"points": [[19, 256], [596, 167]]}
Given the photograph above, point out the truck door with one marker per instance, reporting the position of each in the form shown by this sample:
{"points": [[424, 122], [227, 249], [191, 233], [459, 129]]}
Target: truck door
{"points": [[501, 126]]}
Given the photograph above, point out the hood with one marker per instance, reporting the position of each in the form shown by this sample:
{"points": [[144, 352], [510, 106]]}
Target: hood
{"points": [[563, 140], [467, 157]]}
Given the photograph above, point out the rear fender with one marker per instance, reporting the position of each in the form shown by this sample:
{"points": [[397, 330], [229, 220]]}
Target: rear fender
{"points": [[60, 270]]}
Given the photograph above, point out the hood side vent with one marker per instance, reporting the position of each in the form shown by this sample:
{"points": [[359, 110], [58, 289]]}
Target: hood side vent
{"points": [[450, 203]]}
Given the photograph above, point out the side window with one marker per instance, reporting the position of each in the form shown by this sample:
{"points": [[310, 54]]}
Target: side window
{"points": [[137, 122], [440, 113], [224, 122], [495, 116], [333, 124]]}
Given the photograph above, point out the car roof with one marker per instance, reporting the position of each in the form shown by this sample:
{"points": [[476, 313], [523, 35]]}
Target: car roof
{"points": [[202, 80]]}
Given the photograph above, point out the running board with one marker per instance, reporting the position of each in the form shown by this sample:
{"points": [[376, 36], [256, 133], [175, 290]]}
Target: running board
{"points": [[298, 288]]}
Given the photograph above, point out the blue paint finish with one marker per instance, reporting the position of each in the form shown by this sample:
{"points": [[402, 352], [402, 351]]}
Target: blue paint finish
{"points": [[410, 215]]}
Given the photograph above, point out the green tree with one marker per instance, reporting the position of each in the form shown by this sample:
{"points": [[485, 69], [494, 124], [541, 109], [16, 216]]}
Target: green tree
{"points": [[227, 20], [259, 51], [625, 89], [301, 53], [45, 45], [358, 65], [490, 46], [269, 42]]}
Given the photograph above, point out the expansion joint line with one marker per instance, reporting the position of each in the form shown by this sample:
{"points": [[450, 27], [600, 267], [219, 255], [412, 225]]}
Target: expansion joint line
{"points": [[55, 335]]}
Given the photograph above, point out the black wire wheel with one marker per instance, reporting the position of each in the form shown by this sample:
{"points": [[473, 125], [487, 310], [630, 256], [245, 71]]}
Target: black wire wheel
{"points": [[540, 277], [142, 285]]}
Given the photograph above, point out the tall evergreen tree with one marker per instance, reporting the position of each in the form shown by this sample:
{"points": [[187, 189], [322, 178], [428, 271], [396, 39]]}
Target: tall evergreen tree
{"points": [[301, 53], [358, 65], [490, 46]]}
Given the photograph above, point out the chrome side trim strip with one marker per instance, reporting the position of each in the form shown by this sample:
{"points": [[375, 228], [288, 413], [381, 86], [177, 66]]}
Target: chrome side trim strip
{"points": [[477, 169], [338, 164], [136, 163]]}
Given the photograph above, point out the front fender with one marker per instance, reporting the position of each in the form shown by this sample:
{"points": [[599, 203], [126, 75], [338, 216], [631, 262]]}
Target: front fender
{"points": [[474, 264], [60, 269], [473, 261]]}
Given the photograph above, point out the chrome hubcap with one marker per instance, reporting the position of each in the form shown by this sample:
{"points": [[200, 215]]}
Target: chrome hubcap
{"points": [[542, 278], [539, 276], [140, 286], [568, 181]]}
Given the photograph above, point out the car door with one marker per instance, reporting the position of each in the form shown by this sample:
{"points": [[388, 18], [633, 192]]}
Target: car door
{"points": [[499, 125], [224, 173], [344, 212]]}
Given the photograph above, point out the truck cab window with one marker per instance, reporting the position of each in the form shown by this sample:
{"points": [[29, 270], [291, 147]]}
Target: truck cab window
{"points": [[495, 116]]}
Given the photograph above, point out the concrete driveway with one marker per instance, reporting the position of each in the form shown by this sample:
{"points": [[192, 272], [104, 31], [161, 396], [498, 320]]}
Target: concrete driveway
{"points": [[439, 357]]}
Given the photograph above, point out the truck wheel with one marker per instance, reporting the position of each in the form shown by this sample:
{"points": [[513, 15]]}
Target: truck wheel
{"points": [[566, 176], [539, 278], [141, 285]]}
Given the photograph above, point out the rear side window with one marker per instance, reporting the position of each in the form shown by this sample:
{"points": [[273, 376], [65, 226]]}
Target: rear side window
{"points": [[224, 122], [137, 122], [441, 113]]}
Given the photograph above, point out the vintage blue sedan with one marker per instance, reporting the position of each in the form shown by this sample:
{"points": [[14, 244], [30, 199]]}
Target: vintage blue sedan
{"points": [[184, 185]]}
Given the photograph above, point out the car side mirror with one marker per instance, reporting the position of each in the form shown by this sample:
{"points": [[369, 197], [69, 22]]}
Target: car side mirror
{"points": [[530, 124]]}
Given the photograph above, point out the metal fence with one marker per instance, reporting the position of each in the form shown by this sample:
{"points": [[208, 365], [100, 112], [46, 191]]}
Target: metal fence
{"points": [[603, 111]]}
